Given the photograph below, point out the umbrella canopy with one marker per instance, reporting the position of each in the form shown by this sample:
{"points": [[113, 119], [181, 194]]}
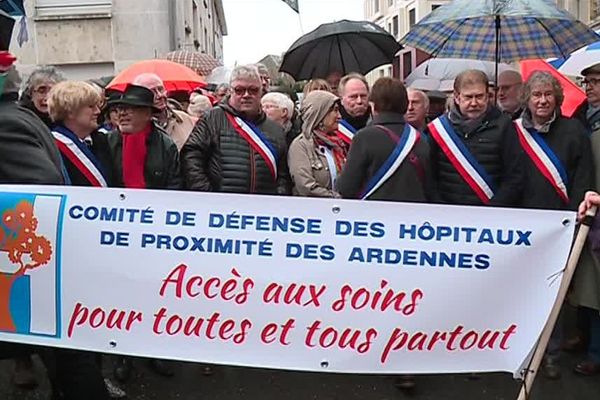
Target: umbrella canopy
{"points": [[344, 46], [579, 60], [219, 75], [6, 28], [574, 96], [439, 73], [499, 30], [176, 77], [201, 63]]}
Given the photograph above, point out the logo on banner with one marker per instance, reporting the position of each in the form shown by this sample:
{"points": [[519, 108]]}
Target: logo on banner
{"points": [[29, 269]]}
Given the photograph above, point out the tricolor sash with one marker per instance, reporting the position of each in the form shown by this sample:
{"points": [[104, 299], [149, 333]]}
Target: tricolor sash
{"points": [[544, 159], [74, 150], [346, 131], [461, 158], [257, 140], [410, 137]]}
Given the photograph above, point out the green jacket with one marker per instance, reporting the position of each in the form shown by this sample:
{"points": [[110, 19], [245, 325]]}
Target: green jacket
{"points": [[162, 169]]}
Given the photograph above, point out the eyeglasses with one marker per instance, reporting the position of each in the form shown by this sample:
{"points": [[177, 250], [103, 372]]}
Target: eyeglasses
{"points": [[591, 81], [240, 90], [42, 90]]}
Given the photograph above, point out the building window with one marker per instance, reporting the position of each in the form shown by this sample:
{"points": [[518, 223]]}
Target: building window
{"points": [[406, 64], [395, 26], [51, 8], [412, 17], [390, 3], [376, 4]]}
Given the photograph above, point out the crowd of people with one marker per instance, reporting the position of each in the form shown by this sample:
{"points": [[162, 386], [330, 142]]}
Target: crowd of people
{"points": [[344, 139]]}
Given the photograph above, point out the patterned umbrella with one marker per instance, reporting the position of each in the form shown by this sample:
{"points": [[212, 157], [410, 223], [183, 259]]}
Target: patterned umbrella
{"points": [[573, 64], [201, 63], [499, 30]]}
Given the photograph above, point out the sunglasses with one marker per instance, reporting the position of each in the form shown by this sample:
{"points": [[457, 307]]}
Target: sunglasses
{"points": [[240, 90]]}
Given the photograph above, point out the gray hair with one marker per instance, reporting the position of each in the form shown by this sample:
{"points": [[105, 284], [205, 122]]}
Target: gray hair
{"points": [[42, 74], [13, 81], [220, 86], [245, 72], [262, 69], [279, 99], [420, 93], [543, 77], [344, 81]]}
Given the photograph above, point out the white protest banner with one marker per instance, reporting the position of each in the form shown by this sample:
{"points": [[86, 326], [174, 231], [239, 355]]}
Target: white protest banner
{"points": [[278, 282]]}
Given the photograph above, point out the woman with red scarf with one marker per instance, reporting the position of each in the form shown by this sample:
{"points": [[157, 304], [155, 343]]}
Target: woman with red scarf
{"points": [[317, 156]]}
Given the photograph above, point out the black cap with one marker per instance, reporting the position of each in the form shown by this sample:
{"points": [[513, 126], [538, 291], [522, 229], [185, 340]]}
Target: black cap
{"points": [[592, 69], [135, 96]]}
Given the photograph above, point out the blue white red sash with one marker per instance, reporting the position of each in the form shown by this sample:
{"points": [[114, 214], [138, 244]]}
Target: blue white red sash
{"points": [[544, 159], [346, 131], [74, 150], [461, 158], [409, 138], [257, 140]]}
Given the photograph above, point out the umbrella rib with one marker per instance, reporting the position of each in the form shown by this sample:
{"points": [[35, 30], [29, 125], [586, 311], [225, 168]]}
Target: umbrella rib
{"points": [[337, 38], [551, 37]]}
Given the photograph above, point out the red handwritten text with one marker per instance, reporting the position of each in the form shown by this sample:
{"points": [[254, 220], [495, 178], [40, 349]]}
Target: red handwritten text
{"points": [[98, 317]]}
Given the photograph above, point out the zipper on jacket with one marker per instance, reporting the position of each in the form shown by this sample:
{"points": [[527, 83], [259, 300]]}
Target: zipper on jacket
{"points": [[252, 171]]}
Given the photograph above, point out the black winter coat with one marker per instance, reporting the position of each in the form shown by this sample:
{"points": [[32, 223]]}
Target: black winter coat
{"points": [[28, 154], [495, 145], [570, 142], [101, 151], [371, 147], [162, 169], [216, 158]]}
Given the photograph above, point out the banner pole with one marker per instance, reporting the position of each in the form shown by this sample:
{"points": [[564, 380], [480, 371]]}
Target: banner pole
{"points": [[538, 356]]}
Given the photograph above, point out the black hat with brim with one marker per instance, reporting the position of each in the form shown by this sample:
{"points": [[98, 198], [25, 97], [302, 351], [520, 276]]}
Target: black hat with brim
{"points": [[592, 69], [134, 96]]}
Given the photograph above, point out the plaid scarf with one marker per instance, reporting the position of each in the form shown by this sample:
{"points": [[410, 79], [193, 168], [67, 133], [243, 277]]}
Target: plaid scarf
{"points": [[338, 147]]}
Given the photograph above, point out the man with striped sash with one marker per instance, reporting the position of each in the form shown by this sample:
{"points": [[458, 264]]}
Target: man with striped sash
{"points": [[475, 152], [235, 148], [355, 112]]}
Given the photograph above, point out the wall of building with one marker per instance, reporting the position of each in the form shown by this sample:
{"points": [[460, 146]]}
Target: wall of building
{"points": [[91, 38]]}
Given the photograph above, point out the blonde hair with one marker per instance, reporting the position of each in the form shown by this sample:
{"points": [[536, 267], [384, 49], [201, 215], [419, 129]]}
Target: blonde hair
{"points": [[199, 104], [69, 97], [316, 84]]}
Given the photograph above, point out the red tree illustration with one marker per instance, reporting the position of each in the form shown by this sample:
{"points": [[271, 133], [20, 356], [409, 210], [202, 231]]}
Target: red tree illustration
{"points": [[25, 248]]}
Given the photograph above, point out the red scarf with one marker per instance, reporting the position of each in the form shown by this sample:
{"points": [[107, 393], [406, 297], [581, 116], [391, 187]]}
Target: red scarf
{"points": [[134, 158], [337, 145]]}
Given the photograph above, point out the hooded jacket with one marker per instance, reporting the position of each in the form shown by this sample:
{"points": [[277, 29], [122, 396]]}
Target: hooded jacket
{"points": [[215, 158]]}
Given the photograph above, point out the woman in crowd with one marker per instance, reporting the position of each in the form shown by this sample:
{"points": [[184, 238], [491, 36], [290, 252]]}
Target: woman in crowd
{"points": [[558, 167], [316, 84], [199, 104], [280, 109], [317, 155], [36, 88], [74, 109], [388, 159]]}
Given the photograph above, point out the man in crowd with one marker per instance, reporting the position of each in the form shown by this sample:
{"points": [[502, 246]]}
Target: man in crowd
{"points": [[265, 78], [333, 79], [418, 108], [235, 148], [177, 124], [475, 151], [28, 155], [221, 92], [354, 93], [510, 91]]}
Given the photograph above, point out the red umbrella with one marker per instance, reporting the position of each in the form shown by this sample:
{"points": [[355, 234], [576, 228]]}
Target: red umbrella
{"points": [[176, 77], [574, 96]]}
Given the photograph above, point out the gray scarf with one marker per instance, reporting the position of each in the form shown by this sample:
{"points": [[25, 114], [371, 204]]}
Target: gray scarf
{"points": [[528, 121], [467, 126]]}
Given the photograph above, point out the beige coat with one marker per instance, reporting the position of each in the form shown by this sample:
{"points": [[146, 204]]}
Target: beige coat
{"points": [[309, 169], [180, 127], [586, 283]]}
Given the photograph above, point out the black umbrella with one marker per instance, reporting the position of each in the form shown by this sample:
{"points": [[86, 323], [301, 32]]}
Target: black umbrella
{"points": [[344, 46], [6, 28]]}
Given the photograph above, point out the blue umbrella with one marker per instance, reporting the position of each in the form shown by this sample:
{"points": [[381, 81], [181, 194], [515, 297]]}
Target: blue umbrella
{"points": [[500, 31]]}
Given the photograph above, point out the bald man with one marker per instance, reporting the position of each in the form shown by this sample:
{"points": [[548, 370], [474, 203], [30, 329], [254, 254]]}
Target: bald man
{"points": [[510, 91], [177, 124]]}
